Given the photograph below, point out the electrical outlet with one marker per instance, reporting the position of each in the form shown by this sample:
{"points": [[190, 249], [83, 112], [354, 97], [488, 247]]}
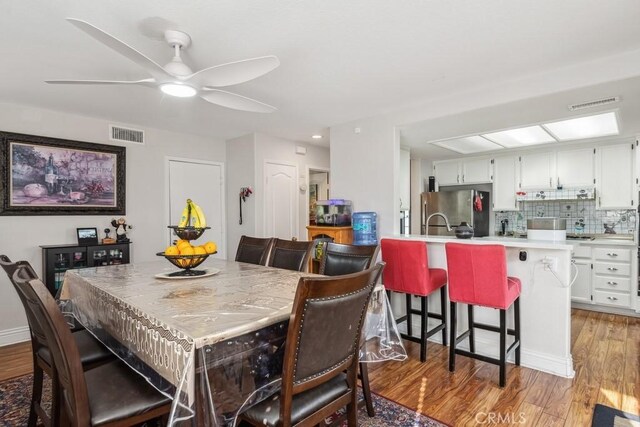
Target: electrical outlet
{"points": [[550, 263]]}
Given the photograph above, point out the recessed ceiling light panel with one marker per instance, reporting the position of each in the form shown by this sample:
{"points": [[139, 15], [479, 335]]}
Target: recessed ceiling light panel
{"points": [[468, 145], [316, 136], [585, 127], [520, 136]]}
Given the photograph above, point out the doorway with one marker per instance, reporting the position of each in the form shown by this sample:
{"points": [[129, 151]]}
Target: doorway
{"points": [[281, 200], [318, 190], [201, 182]]}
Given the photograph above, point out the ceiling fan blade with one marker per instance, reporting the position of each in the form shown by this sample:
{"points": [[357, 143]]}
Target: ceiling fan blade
{"points": [[122, 48], [143, 82], [235, 101], [234, 72]]}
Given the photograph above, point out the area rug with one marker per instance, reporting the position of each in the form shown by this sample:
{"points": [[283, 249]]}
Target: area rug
{"points": [[15, 395], [604, 416]]}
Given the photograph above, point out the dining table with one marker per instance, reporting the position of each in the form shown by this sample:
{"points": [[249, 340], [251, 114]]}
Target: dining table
{"points": [[213, 343]]}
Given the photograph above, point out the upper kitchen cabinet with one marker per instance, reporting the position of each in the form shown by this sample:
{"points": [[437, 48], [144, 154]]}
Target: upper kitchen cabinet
{"points": [[615, 181], [466, 171], [538, 171], [505, 183], [575, 168]]}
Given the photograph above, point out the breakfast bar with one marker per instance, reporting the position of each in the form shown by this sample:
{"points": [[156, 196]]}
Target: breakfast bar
{"points": [[546, 272]]}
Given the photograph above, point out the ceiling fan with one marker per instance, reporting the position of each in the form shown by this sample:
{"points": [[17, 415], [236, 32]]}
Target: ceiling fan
{"points": [[177, 79]]}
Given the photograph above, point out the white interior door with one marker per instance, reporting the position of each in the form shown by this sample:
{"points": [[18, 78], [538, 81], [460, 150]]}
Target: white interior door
{"points": [[281, 200], [201, 182]]}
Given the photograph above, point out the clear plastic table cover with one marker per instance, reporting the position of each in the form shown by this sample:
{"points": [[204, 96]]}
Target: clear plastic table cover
{"points": [[214, 344]]}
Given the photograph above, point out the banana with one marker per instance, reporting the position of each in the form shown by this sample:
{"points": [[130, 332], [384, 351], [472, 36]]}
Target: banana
{"points": [[201, 218], [194, 219], [184, 218]]}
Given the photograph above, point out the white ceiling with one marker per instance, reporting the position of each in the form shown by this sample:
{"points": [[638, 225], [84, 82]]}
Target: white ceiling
{"points": [[340, 60]]}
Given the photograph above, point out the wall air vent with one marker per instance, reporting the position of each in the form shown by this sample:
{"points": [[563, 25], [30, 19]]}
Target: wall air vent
{"points": [[596, 103], [118, 133]]}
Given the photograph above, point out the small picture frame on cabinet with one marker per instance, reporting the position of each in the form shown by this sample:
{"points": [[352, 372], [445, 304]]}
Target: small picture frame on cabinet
{"points": [[87, 236]]}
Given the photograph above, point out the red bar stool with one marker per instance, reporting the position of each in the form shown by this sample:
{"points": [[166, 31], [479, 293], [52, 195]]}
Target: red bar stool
{"points": [[407, 272], [478, 276]]}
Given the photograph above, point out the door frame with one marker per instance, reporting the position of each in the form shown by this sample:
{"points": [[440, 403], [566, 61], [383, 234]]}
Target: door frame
{"points": [[264, 191], [223, 193], [320, 169]]}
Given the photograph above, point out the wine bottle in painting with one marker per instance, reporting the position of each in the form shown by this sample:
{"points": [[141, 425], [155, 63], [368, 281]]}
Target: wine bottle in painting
{"points": [[50, 175]]}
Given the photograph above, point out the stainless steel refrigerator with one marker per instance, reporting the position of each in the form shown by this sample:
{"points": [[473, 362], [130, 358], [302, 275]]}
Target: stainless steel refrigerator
{"points": [[470, 206]]}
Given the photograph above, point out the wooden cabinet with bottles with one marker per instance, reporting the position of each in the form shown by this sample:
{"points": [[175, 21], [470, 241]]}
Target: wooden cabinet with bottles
{"points": [[335, 234], [57, 259]]}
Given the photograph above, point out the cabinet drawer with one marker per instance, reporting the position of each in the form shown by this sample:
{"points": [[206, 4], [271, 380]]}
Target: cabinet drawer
{"points": [[580, 251], [612, 298], [611, 268], [610, 254], [622, 284]]}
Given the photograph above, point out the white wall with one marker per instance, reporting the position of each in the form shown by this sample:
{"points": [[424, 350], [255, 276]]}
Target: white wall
{"points": [[147, 209], [365, 169], [240, 173], [272, 148]]}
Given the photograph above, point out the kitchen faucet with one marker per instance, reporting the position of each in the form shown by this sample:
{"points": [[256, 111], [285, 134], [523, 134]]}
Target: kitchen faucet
{"points": [[446, 221]]}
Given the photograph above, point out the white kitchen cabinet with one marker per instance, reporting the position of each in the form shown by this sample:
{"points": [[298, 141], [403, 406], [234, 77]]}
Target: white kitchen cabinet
{"points": [[615, 180], [575, 168], [505, 183], [465, 171], [581, 288], [476, 171], [612, 276], [538, 171], [447, 172]]}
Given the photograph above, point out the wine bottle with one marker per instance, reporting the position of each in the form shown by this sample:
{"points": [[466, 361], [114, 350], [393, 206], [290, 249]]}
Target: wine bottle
{"points": [[50, 175]]}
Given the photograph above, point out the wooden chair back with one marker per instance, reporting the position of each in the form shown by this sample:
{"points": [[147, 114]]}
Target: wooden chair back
{"points": [[324, 332], [290, 254], [253, 250], [64, 351], [339, 259]]}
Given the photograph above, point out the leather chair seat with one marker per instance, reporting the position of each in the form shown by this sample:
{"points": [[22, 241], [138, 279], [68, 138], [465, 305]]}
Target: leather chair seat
{"points": [[304, 404], [91, 350], [116, 393]]}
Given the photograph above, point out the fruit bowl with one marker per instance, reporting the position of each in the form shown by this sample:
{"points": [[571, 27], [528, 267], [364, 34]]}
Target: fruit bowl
{"points": [[188, 233], [186, 263]]}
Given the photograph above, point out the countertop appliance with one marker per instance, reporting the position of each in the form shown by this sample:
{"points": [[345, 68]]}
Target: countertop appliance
{"points": [[547, 228], [470, 206]]}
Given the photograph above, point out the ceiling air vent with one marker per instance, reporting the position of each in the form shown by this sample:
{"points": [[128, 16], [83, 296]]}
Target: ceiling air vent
{"points": [[118, 133], [596, 103]]}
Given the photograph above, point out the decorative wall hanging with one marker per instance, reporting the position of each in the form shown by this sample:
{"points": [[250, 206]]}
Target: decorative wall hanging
{"points": [[50, 176], [244, 193]]}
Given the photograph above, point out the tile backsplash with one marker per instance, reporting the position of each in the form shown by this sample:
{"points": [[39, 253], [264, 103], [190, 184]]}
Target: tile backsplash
{"points": [[581, 215]]}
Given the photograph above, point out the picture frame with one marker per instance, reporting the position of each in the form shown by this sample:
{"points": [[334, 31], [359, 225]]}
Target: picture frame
{"points": [[51, 176], [87, 235]]}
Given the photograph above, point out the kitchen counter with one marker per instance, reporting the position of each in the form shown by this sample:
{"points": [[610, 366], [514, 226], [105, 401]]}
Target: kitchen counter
{"points": [[545, 300]]}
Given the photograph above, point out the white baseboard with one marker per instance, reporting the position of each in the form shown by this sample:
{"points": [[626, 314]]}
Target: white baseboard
{"points": [[14, 335]]}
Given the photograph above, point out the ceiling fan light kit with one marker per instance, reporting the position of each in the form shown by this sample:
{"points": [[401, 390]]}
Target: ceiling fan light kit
{"points": [[177, 79], [178, 90]]}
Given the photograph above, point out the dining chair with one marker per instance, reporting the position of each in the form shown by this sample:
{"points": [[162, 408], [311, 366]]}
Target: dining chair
{"points": [[338, 259], [290, 254], [92, 352], [321, 352], [110, 394], [478, 276], [253, 250]]}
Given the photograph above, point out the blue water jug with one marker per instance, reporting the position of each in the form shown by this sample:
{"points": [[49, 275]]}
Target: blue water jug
{"points": [[365, 228]]}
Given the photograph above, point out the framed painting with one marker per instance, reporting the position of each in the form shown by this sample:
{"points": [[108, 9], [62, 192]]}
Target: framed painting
{"points": [[50, 176]]}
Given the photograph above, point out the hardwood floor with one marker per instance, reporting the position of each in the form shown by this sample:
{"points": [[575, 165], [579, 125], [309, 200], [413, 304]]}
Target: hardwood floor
{"points": [[606, 357]]}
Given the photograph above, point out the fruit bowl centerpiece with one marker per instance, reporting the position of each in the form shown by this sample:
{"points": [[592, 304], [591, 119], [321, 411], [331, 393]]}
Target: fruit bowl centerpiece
{"points": [[183, 254]]}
